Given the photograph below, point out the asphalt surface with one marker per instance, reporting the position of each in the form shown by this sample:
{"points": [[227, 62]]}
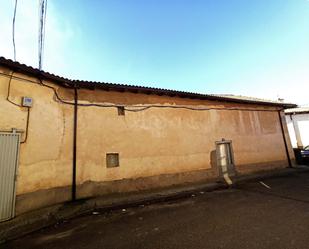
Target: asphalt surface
{"points": [[271, 214]]}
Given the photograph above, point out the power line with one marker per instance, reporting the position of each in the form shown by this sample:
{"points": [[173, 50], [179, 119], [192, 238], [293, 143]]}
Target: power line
{"points": [[13, 30], [42, 24], [137, 108]]}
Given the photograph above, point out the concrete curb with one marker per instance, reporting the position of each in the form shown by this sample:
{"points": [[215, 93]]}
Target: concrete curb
{"points": [[270, 174], [33, 221]]}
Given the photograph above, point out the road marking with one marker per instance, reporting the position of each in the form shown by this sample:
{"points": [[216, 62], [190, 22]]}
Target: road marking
{"points": [[265, 185]]}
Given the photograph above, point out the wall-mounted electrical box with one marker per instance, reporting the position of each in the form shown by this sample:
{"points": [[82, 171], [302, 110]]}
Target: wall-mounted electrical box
{"points": [[27, 102]]}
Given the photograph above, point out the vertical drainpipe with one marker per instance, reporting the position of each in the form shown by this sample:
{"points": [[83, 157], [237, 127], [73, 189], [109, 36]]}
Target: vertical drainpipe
{"points": [[284, 140], [74, 145]]}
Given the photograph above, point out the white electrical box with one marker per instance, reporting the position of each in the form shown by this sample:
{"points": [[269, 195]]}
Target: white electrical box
{"points": [[27, 101]]}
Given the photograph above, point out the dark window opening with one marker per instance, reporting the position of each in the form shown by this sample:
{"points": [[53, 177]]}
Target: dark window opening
{"points": [[112, 160], [121, 110]]}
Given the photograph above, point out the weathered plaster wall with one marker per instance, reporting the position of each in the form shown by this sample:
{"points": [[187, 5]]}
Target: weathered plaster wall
{"points": [[157, 146], [46, 158]]}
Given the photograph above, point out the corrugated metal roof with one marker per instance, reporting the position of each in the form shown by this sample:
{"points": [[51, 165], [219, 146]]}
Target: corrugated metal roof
{"points": [[18, 67], [298, 110], [240, 97]]}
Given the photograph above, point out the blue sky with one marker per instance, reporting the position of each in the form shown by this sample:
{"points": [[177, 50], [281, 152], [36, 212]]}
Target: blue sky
{"points": [[258, 47]]}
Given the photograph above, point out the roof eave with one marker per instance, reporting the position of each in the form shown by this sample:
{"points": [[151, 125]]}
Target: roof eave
{"points": [[22, 68]]}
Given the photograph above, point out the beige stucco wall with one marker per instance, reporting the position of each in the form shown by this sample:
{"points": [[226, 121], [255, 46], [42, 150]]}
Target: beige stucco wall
{"points": [[154, 144]]}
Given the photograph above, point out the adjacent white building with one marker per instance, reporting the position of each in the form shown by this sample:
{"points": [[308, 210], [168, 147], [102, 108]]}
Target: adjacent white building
{"points": [[298, 126]]}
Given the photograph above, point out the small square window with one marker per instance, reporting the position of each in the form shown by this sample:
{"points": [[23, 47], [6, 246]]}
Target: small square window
{"points": [[112, 160], [121, 110]]}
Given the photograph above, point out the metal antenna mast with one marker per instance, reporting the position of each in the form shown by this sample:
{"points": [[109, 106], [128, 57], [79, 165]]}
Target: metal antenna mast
{"points": [[42, 22], [13, 30]]}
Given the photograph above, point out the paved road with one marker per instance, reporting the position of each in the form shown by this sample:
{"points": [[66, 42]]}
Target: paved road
{"points": [[249, 216]]}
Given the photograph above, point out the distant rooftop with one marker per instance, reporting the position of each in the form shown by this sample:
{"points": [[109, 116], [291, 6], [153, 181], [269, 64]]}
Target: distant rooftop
{"points": [[297, 110], [240, 97], [34, 72]]}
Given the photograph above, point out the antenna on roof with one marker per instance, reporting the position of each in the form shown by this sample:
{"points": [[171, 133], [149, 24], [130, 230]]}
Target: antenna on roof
{"points": [[279, 99], [13, 30], [42, 22]]}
